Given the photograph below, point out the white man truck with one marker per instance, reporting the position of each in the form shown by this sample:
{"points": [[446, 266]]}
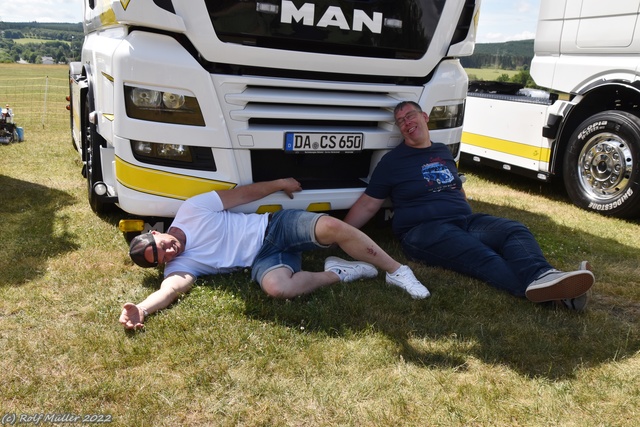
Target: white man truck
{"points": [[173, 98], [588, 53]]}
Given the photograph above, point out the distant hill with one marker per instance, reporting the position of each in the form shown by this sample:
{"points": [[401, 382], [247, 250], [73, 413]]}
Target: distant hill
{"points": [[37, 30], [512, 55], [61, 42], [45, 25]]}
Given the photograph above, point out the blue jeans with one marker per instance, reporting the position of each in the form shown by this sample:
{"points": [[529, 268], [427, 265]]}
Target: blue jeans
{"points": [[290, 232], [498, 251]]}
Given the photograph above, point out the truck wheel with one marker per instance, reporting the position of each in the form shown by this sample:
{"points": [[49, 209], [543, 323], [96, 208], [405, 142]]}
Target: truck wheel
{"points": [[602, 164], [93, 165], [73, 141]]}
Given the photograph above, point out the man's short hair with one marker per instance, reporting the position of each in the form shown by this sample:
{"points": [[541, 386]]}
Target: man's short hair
{"points": [[139, 245], [402, 104]]}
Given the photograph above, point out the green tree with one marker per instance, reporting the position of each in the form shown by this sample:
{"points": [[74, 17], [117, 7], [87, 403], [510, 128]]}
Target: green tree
{"points": [[524, 78], [60, 56]]}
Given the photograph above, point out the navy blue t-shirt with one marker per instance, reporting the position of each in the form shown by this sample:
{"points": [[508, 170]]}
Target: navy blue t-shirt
{"points": [[422, 183]]}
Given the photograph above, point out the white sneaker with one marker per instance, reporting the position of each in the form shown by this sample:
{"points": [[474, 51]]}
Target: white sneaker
{"points": [[348, 271], [405, 279], [558, 285]]}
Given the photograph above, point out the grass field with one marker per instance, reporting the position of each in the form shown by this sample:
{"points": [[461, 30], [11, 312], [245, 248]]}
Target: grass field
{"points": [[36, 94], [359, 354], [29, 40]]}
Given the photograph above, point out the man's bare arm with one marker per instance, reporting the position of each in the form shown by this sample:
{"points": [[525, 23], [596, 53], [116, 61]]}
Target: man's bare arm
{"points": [[363, 210], [252, 192], [174, 285]]}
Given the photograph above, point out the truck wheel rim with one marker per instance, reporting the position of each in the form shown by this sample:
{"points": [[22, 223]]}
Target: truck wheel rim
{"points": [[605, 166]]}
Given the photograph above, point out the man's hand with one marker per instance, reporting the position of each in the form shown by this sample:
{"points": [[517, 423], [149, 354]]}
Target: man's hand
{"points": [[291, 186], [256, 191], [132, 317]]}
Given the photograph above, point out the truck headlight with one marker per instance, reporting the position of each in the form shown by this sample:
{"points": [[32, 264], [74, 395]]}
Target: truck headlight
{"points": [[172, 100], [174, 155], [162, 106], [177, 152], [145, 98], [446, 116]]}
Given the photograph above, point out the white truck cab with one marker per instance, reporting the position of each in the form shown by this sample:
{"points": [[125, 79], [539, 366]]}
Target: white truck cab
{"points": [[175, 98]]}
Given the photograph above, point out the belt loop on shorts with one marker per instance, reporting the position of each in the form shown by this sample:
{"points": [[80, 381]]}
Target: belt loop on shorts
{"points": [[269, 217]]}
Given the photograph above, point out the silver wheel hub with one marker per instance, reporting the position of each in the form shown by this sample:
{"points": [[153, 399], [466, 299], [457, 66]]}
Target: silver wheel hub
{"points": [[605, 165]]}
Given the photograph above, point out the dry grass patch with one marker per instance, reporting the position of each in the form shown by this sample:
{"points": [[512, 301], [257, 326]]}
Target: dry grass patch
{"points": [[359, 354]]}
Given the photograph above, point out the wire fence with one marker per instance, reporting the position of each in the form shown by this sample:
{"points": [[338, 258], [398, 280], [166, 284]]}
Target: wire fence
{"points": [[37, 102]]}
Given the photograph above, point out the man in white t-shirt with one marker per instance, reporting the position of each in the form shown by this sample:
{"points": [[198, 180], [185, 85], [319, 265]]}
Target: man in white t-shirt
{"points": [[205, 238]]}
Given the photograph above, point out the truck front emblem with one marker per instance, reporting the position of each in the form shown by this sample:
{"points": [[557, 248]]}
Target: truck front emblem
{"points": [[332, 17]]}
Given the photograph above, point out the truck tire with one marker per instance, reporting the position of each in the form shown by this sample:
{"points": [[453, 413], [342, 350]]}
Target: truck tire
{"points": [[602, 164], [93, 165], [73, 140]]}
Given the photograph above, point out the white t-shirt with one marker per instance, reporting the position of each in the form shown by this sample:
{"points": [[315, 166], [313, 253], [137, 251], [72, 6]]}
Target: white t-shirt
{"points": [[218, 241]]}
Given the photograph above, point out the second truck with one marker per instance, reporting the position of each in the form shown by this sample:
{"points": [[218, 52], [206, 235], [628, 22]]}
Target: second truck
{"points": [[585, 128]]}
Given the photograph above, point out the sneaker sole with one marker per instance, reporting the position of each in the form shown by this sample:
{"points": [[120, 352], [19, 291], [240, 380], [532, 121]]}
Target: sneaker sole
{"points": [[566, 287], [412, 294], [422, 295], [585, 265]]}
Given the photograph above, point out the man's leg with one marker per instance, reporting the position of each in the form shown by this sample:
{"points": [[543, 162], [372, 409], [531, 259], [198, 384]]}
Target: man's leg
{"points": [[281, 282], [517, 245], [513, 241], [292, 232], [330, 230], [498, 251], [358, 245], [278, 265], [450, 246]]}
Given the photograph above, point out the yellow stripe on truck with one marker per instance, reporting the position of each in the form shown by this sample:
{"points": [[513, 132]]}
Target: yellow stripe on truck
{"points": [[107, 15], [165, 184], [507, 147]]}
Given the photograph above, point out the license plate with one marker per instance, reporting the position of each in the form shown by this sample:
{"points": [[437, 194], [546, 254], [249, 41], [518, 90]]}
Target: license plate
{"points": [[295, 142]]}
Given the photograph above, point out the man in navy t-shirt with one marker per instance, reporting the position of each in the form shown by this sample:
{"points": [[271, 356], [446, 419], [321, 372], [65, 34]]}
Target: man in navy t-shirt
{"points": [[436, 226]]}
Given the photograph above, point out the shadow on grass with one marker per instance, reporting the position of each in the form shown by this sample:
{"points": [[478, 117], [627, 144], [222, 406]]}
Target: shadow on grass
{"points": [[464, 319], [34, 216], [553, 190]]}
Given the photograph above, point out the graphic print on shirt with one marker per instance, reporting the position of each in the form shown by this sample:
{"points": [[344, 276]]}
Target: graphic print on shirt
{"points": [[438, 175]]}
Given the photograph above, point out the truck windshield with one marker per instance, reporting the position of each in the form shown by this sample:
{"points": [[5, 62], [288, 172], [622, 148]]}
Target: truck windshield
{"points": [[369, 28]]}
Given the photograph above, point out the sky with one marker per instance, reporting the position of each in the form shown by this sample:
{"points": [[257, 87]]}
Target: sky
{"points": [[41, 11], [500, 20], [507, 20]]}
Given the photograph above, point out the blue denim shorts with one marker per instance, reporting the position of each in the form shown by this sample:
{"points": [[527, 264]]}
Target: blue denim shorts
{"points": [[290, 232]]}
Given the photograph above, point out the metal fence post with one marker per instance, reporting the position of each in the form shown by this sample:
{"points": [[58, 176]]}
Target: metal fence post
{"points": [[44, 107]]}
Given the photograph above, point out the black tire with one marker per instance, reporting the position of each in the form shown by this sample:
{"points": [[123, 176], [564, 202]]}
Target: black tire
{"points": [[73, 141], [129, 235], [602, 164], [93, 165]]}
